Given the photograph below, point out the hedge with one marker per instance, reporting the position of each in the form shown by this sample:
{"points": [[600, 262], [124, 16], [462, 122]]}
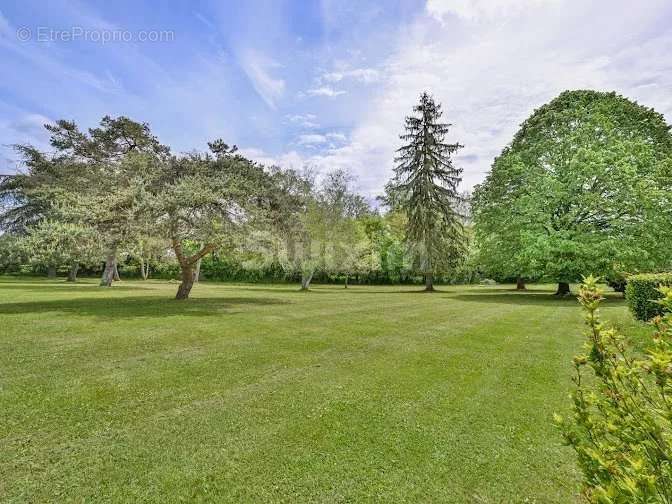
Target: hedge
{"points": [[642, 292]]}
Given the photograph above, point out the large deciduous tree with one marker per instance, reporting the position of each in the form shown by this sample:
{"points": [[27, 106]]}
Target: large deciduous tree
{"points": [[583, 186], [205, 200], [54, 244], [88, 180], [425, 187], [109, 195]]}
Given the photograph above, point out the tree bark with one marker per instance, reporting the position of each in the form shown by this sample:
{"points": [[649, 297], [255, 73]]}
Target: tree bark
{"points": [[187, 266], [144, 268], [563, 289], [51, 272], [115, 272], [520, 283], [197, 271], [305, 281], [72, 274], [429, 282], [345, 285], [108, 272], [187, 282], [291, 249]]}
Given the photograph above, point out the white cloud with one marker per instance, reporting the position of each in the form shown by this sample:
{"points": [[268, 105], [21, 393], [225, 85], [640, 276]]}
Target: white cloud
{"points": [[494, 76], [292, 159], [363, 75], [325, 91], [5, 28], [311, 139], [257, 68], [304, 120], [475, 10], [339, 137]]}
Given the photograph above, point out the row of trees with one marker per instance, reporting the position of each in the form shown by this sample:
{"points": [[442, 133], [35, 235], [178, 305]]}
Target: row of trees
{"points": [[115, 191], [584, 186]]}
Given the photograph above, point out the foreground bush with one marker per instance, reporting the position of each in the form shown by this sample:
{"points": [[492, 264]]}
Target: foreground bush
{"points": [[621, 427], [642, 294]]}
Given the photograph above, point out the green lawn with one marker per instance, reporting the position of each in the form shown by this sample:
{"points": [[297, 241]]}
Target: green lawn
{"points": [[250, 393]]}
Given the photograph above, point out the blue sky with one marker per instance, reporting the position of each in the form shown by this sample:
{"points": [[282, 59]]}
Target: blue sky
{"points": [[323, 83]]}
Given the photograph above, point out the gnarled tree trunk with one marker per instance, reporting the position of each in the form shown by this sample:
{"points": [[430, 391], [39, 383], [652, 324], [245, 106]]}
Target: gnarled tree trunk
{"points": [[51, 272], [345, 285], [187, 264], [115, 276], [520, 283], [108, 272], [563, 289], [429, 282], [187, 282], [72, 273]]}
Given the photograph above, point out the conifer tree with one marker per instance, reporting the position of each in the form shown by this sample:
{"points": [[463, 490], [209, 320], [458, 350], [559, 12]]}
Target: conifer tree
{"points": [[425, 187]]}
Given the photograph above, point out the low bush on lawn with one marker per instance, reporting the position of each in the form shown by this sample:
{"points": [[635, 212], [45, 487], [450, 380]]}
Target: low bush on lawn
{"points": [[642, 294]]}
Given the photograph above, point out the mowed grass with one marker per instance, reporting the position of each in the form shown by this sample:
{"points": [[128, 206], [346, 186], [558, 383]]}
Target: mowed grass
{"points": [[251, 393]]}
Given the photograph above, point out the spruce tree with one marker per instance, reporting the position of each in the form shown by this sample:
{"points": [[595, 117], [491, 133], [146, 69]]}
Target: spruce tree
{"points": [[425, 187]]}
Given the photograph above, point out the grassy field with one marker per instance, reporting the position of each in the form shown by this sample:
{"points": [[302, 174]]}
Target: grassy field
{"points": [[250, 393]]}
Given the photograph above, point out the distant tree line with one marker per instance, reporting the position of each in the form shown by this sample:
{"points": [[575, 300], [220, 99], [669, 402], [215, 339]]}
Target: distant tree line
{"points": [[584, 187]]}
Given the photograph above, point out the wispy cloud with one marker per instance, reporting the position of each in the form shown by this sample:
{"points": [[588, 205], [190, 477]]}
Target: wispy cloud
{"points": [[241, 74], [258, 69], [307, 121], [325, 91], [476, 10], [311, 139], [363, 75]]}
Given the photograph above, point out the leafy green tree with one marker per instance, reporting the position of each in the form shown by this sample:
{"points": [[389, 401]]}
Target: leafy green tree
{"points": [[425, 187], [583, 187], [353, 250], [54, 244], [289, 193], [204, 200], [147, 249], [105, 157], [88, 180], [498, 234], [328, 225]]}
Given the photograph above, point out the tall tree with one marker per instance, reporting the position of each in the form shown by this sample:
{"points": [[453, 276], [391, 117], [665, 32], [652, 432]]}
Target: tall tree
{"points": [[87, 180], [112, 186], [204, 200], [583, 186], [425, 186]]}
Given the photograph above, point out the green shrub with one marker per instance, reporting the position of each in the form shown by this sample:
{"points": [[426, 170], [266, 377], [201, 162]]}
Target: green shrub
{"points": [[621, 427], [642, 294]]}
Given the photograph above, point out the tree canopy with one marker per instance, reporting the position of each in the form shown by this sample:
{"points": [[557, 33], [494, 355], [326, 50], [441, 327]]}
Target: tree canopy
{"points": [[583, 187]]}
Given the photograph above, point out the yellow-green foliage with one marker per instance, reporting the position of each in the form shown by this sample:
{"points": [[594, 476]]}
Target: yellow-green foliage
{"points": [[621, 425], [642, 294]]}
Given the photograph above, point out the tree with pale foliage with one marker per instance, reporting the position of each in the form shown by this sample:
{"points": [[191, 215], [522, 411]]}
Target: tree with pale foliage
{"points": [[209, 200], [53, 244], [89, 180], [425, 187]]}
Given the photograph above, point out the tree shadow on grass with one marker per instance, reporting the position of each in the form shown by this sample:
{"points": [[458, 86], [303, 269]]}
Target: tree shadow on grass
{"points": [[48, 287], [138, 307], [336, 289], [546, 298]]}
